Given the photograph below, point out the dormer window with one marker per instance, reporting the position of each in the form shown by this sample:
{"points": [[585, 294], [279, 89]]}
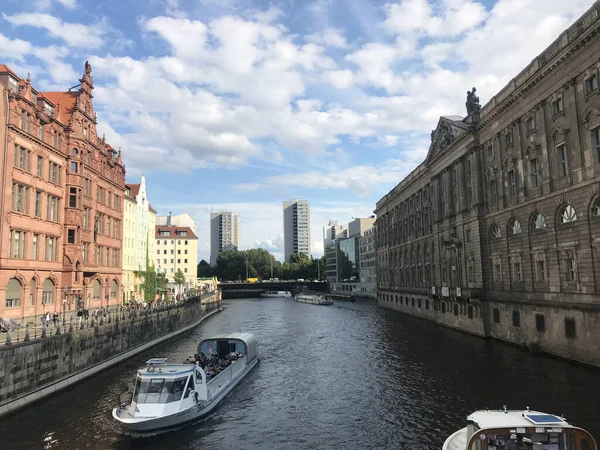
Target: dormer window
{"points": [[13, 84], [48, 108], [33, 97]]}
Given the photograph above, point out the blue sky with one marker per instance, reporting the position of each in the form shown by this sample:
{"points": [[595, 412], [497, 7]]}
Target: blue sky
{"points": [[243, 104]]}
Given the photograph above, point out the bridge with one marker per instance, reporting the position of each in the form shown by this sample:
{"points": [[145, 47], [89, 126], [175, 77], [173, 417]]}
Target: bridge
{"points": [[238, 290]]}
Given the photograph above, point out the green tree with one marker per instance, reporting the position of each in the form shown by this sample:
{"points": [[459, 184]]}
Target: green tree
{"points": [[148, 277], [161, 282], [205, 270], [179, 278]]}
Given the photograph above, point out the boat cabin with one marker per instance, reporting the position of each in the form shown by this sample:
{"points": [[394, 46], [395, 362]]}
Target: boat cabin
{"points": [[520, 430], [222, 345]]}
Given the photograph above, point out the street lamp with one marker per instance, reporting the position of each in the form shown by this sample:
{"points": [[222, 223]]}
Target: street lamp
{"points": [[65, 289]]}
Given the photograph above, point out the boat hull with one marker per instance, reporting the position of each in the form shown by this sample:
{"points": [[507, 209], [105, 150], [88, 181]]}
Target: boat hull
{"points": [[314, 301], [198, 411]]}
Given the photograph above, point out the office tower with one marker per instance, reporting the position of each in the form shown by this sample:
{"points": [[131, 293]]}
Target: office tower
{"points": [[224, 233], [296, 228]]}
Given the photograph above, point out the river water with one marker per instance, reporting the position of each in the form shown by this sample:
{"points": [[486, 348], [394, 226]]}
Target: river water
{"points": [[347, 376]]}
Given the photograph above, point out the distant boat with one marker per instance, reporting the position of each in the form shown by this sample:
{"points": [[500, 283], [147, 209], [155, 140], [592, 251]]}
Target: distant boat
{"points": [[505, 429], [276, 294], [313, 299], [167, 395]]}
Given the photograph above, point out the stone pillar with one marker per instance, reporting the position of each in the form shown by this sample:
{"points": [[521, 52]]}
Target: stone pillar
{"points": [[460, 184], [477, 177], [437, 200], [449, 200]]}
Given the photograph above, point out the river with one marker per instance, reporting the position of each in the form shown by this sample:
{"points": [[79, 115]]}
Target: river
{"points": [[347, 376]]}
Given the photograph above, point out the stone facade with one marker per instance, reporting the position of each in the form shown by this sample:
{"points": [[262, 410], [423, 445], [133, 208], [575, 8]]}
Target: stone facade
{"points": [[31, 370], [497, 232], [367, 255], [61, 213]]}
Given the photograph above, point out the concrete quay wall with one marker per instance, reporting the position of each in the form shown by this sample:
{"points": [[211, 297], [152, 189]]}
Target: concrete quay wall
{"points": [[32, 370]]}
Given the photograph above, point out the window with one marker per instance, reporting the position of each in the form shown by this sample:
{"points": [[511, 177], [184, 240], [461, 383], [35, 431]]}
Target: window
{"points": [[16, 244], [41, 132], [509, 138], [48, 292], [539, 222], [96, 292], [562, 157], [493, 192], [557, 106], [86, 218], [13, 84], [20, 198], [540, 270], [516, 270], [512, 183], [496, 313], [113, 289], [497, 269], [22, 158], [496, 232], [54, 173], [13, 293], [51, 244], [516, 319], [38, 204], [87, 187], [490, 150], [70, 236], [34, 246], [185, 270], [185, 252], [570, 330], [531, 124], [40, 164], [85, 251], [32, 289], [591, 84], [72, 197], [73, 167], [25, 121], [514, 227], [85, 131], [596, 143], [533, 172], [570, 267], [540, 323], [596, 207], [48, 109], [568, 214], [52, 208], [185, 261]]}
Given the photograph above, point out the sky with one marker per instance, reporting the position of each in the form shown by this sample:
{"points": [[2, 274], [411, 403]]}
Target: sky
{"points": [[240, 105]]}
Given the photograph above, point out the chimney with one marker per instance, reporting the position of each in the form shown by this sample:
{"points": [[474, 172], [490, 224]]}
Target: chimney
{"points": [[169, 219]]}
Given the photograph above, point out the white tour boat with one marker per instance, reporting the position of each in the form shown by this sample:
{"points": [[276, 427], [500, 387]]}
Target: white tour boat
{"points": [[518, 430], [276, 294], [313, 299], [171, 394]]}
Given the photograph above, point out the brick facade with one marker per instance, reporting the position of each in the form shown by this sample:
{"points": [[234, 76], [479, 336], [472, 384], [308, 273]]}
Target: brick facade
{"points": [[497, 232], [62, 208]]}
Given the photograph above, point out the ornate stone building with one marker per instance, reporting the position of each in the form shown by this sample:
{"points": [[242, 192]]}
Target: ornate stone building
{"points": [[62, 206], [497, 232]]}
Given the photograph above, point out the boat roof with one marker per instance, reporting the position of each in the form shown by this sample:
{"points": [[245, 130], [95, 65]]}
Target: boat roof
{"points": [[245, 337], [167, 370], [515, 418]]}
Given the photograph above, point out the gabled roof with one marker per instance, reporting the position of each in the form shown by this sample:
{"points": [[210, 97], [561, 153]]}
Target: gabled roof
{"points": [[134, 188], [446, 132], [66, 101], [173, 232], [5, 68]]}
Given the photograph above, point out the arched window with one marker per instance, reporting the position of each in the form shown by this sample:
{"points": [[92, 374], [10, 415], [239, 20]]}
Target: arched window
{"points": [[32, 288], [113, 289], [539, 222], [48, 292], [496, 232], [514, 227], [13, 293], [96, 290], [568, 214], [596, 207], [74, 152]]}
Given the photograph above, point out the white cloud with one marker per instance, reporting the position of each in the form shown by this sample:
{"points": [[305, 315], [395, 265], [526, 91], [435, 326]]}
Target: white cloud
{"points": [[43, 5], [74, 34], [330, 37]]}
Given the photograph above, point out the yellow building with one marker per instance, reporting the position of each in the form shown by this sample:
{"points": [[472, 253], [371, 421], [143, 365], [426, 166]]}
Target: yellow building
{"points": [[177, 248], [138, 240]]}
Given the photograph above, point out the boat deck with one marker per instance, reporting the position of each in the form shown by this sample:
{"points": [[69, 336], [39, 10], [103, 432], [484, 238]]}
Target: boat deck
{"points": [[458, 441]]}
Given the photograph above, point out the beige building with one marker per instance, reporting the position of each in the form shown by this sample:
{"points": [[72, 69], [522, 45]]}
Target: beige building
{"points": [[497, 232], [177, 249], [139, 220], [179, 220]]}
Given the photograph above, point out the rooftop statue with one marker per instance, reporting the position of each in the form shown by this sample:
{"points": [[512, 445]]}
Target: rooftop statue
{"points": [[472, 102]]}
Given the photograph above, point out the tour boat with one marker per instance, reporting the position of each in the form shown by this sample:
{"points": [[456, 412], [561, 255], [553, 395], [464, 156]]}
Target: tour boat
{"points": [[167, 395], [313, 299], [516, 430], [276, 294]]}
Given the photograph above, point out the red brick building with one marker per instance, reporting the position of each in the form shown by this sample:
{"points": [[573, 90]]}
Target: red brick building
{"points": [[61, 212]]}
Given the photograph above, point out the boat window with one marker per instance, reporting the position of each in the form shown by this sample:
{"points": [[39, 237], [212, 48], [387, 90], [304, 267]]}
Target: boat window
{"points": [[190, 387], [585, 444], [198, 377], [148, 391], [513, 441]]}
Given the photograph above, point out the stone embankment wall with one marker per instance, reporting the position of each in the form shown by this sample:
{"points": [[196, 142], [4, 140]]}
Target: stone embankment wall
{"points": [[34, 369]]}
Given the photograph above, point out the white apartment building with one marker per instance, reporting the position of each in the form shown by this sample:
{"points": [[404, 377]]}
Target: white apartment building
{"points": [[296, 228], [138, 241], [180, 220], [224, 233], [177, 249], [331, 233]]}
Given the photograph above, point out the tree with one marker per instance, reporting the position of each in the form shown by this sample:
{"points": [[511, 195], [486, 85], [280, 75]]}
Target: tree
{"points": [[179, 278], [205, 270], [148, 277]]}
